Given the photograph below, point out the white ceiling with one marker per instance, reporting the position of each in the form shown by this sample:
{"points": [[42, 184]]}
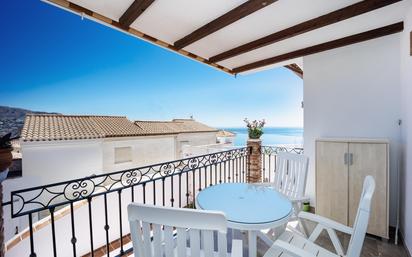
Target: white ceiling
{"points": [[169, 21], [358, 24]]}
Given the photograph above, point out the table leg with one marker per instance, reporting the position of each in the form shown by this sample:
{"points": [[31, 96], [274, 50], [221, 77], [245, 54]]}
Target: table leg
{"points": [[252, 244]]}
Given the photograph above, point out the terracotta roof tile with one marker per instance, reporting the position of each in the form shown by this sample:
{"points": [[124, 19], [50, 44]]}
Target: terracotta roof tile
{"points": [[225, 133], [175, 126], [156, 127], [59, 127], [50, 127], [116, 126]]}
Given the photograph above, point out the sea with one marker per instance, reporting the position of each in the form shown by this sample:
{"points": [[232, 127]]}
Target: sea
{"points": [[271, 136]]}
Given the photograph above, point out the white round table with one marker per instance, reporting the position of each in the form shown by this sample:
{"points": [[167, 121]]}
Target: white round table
{"points": [[247, 207]]}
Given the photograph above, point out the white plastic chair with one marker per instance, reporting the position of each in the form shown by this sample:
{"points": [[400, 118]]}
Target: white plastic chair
{"points": [[290, 180], [166, 232], [293, 244]]}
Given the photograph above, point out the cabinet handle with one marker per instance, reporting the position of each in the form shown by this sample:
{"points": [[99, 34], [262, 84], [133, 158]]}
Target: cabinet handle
{"points": [[345, 158], [351, 159]]}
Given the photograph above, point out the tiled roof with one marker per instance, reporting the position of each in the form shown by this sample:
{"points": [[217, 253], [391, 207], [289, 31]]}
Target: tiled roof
{"points": [[225, 133], [174, 127], [190, 125], [50, 127], [116, 126], [156, 127], [59, 127]]}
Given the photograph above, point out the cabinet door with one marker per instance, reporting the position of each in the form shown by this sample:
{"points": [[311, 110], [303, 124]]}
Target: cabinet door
{"points": [[332, 181], [369, 159]]}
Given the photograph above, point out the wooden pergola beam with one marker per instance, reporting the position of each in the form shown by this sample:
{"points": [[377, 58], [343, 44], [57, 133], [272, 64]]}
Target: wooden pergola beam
{"points": [[364, 36], [226, 19], [296, 69], [115, 24], [316, 23], [133, 12]]}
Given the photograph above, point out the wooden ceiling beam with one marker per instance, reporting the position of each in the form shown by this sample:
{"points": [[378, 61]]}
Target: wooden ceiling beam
{"points": [[296, 69], [364, 36], [133, 12], [226, 19], [316, 23], [67, 5]]}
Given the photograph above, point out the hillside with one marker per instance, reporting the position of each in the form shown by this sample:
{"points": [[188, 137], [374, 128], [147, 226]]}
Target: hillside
{"points": [[12, 119]]}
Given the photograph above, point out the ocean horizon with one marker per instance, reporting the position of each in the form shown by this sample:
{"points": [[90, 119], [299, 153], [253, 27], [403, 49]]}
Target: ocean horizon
{"points": [[272, 135]]}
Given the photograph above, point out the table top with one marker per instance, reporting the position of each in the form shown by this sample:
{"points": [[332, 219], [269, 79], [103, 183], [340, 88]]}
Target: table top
{"points": [[246, 205]]}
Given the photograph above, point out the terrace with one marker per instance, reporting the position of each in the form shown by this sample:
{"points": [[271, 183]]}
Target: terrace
{"points": [[87, 217], [354, 58], [93, 208]]}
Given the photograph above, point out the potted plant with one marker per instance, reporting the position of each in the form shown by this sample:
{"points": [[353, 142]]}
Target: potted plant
{"points": [[6, 157], [255, 128], [306, 207]]}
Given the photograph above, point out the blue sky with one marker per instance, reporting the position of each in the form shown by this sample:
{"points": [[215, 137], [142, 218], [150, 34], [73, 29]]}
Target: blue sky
{"points": [[51, 60]]}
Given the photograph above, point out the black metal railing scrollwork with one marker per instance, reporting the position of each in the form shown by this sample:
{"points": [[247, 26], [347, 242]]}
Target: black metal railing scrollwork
{"points": [[173, 183], [40, 198]]}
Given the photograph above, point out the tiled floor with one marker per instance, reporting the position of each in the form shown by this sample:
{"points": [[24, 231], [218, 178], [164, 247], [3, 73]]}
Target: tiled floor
{"points": [[372, 246]]}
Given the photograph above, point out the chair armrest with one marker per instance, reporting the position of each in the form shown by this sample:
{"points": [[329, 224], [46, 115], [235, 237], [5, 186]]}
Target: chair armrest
{"points": [[237, 248], [292, 250], [325, 222]]}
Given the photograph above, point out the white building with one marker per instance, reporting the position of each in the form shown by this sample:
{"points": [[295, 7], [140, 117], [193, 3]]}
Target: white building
{"points": [[226, 137], [63, 147]]}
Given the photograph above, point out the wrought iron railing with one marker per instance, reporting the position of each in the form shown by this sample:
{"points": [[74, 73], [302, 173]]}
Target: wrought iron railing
{"points": [[173, 183], [269, 160]]}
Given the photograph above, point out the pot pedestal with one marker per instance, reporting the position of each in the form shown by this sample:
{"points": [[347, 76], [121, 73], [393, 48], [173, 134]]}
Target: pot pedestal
{"points": [[255, 161]]}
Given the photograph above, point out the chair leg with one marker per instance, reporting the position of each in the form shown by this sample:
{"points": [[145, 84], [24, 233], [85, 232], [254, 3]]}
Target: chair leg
{"points": [[296, 209], [265, 238], [302, 227]]}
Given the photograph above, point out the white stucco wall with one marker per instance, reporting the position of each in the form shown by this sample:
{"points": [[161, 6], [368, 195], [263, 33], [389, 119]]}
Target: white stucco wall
{"points": [[406, 175], [42, 236], [152, 149], [354, 91], [21, 222], [50, 162], [145, 150], [193, 139]]}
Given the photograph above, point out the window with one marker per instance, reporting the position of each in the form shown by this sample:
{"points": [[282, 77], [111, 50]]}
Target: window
{"points": [[122, 154]]}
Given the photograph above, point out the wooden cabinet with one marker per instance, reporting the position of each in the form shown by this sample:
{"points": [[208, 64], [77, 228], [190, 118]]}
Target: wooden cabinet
{"points": [[341, 166]]}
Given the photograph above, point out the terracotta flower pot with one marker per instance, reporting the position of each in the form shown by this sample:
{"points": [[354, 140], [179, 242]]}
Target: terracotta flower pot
{"points": [[6, 158]]}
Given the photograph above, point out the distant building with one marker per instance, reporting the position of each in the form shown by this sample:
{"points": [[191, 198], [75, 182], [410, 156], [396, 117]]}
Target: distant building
{"points": [[55, 147], [225, 137], [61, 147]]}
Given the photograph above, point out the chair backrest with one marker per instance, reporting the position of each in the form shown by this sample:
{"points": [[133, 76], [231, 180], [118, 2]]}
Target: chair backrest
{"points": [[362, 218], [291, 173], [174, 229]]}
